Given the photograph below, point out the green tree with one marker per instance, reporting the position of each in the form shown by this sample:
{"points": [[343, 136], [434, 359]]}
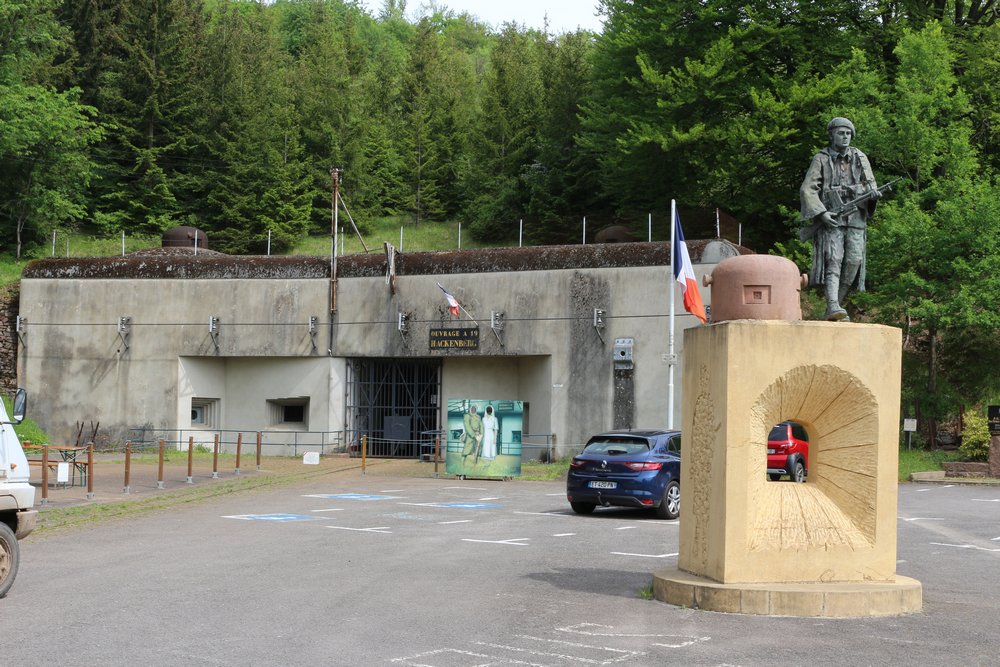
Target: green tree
{"points": [[934, 252], [140, 66], [261, 184], [45, 134], [714, 104], [506, 137]]}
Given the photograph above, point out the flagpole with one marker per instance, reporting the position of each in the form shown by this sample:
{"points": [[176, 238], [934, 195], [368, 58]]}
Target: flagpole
{"points": [[670, 337]]}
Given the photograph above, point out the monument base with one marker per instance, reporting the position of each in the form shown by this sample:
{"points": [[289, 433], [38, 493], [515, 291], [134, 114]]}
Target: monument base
{"points": [[831, 600]]}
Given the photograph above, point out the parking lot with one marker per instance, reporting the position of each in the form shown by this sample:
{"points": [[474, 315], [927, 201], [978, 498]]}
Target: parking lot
{"points": [[346, 569]]}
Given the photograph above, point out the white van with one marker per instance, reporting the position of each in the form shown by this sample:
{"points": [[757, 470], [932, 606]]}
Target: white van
{"points": [[17, 496]]}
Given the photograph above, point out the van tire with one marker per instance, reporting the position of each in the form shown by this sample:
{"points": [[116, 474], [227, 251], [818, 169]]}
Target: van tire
{"points": [[10, 558]]}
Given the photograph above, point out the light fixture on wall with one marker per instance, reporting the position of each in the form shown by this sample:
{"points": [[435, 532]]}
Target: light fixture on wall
{"points": [[124, 331], [21, 326], [497, 321], [599, 322], [213, 330]]}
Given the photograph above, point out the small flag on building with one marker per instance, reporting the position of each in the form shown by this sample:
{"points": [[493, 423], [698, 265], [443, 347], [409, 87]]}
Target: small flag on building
{"points": [[684, 273], [452, 301]]}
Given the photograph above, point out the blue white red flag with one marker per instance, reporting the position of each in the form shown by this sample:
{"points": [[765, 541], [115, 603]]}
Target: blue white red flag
{"points": [[452, 301], [684, 273]]}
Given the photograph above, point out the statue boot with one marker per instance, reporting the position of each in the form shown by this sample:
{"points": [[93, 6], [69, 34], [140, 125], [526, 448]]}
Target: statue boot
{"points": [[834, 311]]}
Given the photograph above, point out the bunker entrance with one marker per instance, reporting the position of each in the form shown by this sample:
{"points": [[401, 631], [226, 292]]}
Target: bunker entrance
{"points": [[394, 403]]}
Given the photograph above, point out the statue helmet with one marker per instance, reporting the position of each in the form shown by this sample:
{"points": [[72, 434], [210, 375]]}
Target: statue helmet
{"points": [[840, 122]]}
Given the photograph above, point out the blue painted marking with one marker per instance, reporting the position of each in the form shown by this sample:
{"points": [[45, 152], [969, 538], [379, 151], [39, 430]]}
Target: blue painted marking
{"points": [[466, 506], [350, 496], [272, 517]]}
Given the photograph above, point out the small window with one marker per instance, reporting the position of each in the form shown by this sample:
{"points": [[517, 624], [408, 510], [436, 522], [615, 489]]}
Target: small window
{"points": [[289, 412], [204, 412], [799, 432]]}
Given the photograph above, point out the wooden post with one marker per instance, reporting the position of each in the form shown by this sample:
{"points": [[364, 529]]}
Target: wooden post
{"points": [[258, 449], [90, 471], [215, 458], [364, 452], [45, 474], [239, 446], [437, 453], [128, 467], [190, 477], [159, 472]]}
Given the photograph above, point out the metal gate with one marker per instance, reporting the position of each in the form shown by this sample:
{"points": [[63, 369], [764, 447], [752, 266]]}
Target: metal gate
{"points": [[394, 402]]}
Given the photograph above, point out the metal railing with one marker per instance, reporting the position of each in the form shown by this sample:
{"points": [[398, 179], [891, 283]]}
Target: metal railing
{"points": [[273, 443]]}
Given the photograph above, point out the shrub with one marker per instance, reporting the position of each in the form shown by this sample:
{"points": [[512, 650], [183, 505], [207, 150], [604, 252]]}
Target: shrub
{"points": [[975, 437]]}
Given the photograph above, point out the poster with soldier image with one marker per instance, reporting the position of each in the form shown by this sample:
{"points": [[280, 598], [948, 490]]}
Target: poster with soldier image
{"points": [[483, 437]]}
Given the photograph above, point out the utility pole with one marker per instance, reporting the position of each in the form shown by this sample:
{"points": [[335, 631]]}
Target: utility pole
{"points": [[334, 210]]}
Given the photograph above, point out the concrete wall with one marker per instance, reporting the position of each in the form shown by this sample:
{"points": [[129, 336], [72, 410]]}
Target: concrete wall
{"points": [[77, 367]]}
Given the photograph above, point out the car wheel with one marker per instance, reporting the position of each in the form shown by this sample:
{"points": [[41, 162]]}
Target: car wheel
{"points": [[774, 476], [583, 508], [10, 557], [798, 471], [670, 506]]}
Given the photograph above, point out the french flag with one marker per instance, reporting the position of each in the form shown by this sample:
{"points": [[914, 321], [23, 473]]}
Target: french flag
{"points": [[684, 273], [452, 301]]}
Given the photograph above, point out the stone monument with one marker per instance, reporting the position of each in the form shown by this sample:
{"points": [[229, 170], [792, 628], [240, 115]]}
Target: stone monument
{"points": [[826, 547]]}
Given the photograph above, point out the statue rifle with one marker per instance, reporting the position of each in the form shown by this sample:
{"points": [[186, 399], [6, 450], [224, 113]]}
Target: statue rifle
{"points": [[808, 232]]}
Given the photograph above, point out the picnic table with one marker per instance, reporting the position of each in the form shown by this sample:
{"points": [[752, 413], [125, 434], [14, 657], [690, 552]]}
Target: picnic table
{"points": [[67, 454]]}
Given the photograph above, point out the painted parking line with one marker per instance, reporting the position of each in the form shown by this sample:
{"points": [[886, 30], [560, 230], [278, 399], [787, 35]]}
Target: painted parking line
{"points": [[455, 505], [580, 644], [965, 546], [625, 528], [335, 509], [514, 542], [923, 518], [625, 553], [448, 523], [564, 535], [379, 529], [350, 496], [565, 650], [986, 500], [278, 518], [599, 630]]}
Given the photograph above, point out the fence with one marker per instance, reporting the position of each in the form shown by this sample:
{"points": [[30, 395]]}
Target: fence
{"points": [[272, 443]]}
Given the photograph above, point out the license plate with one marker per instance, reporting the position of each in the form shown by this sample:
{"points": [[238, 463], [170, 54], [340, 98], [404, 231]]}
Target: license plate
{"points": [[603, 485], [770, 451]]}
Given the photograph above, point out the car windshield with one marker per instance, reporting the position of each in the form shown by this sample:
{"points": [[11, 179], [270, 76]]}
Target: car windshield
{"points": [[616, 446]]}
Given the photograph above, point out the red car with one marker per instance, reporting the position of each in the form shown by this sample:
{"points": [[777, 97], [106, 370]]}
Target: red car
{"points": [[788, 452]]}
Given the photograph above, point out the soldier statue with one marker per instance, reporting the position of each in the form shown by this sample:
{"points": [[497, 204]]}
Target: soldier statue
{"points": [[838, 197]]}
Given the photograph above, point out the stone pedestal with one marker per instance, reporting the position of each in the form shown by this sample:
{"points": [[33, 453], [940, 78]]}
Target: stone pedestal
{"points": [[824, 547]]}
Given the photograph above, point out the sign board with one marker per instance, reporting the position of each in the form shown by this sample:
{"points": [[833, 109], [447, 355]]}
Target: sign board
{"points": [[62, 473], [993, 415], [910, 425], [454, 338], [310, 458]]}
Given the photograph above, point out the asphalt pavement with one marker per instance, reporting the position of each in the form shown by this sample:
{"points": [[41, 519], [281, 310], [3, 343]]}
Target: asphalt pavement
{"points": [[396, 567]]}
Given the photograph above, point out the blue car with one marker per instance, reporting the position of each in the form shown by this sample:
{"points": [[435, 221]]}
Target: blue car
{"points": [[628, 469]]}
